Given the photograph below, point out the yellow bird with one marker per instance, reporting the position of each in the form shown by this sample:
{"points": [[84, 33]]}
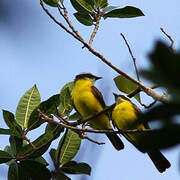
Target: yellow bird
{"points": [[88, 100], [124, 117]]}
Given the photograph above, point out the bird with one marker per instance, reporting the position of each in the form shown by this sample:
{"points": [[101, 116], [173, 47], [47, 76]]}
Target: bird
{"points": [[125, 117], [88, 100]]}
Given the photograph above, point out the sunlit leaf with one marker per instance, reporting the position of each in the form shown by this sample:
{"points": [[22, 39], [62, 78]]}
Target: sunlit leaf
{"points": [[69, 146], [48, 107], [126, 86], [108, 9], [73, 167], [126, 12], [84, 19], [28, 102]]}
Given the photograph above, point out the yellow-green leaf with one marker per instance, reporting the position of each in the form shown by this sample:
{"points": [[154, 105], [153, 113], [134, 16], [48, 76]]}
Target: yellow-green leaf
{"points": [[126, 86], [69, 148], [28, 102]]}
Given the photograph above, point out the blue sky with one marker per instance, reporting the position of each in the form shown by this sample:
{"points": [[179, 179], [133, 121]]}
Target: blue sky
{"points": [[34, 50]]}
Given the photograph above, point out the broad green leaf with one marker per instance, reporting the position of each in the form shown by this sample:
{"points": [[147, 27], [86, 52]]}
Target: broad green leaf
{"points": [[34, 170], [52, 3], [5, 157], [73, 167], [126, 12], [126, 86], [15, 144], [28, 102], [48, 107], [84, 18], [65, 106], [5, 131], [69, 146], [13, 171], [12, 124], [86, 4], [78, 7], [53, 128], [52, 153]]}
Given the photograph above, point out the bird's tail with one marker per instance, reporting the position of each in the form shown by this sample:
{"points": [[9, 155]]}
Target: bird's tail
{"points": [[159, 160], [116, 141]]}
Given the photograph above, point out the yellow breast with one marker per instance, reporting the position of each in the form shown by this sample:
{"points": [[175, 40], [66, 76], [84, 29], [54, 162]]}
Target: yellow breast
{"points": [[124, 115], [87, 104]]}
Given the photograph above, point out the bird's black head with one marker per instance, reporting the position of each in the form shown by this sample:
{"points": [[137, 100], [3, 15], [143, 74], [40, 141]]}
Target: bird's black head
{"points": [[88, 76]]}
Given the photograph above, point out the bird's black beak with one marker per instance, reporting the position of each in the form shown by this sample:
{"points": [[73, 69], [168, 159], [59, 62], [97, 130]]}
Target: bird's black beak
{"points": [[98, 78]]}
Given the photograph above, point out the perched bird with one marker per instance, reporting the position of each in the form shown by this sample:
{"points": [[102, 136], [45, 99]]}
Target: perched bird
{"points": [[125, 117], [88, 100]]}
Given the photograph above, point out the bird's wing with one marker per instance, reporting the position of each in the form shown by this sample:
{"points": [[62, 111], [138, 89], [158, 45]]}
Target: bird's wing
{"points": [[98, 95], [139, 113]]}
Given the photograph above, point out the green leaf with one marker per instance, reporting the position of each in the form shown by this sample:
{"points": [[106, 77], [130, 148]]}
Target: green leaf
{"points": [[40, 160], [84, 19], [73, 167], [53, 156], [34, 170], [5, 157], [70, 146], [5, 131], [15, 144], [28, 102], [42, 143], [126, 86], [165, 69], [88, 5], [100, 3], [8, 150], [126, 12], [76, 116], [58, 175], [48, 107], [52, 3], [13, 171], [65, 106], [12, 124], [78, 7]]}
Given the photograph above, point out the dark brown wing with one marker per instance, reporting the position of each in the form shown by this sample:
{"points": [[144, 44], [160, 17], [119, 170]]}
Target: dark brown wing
{"points": [[98, 95]]}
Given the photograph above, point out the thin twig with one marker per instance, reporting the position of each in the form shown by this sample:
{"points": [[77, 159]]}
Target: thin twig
{"points": [[170, 38], [95, 30], [57, 22], [76, 129], [133, 58], [28, 140], [96, 142], [75, 34]]}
